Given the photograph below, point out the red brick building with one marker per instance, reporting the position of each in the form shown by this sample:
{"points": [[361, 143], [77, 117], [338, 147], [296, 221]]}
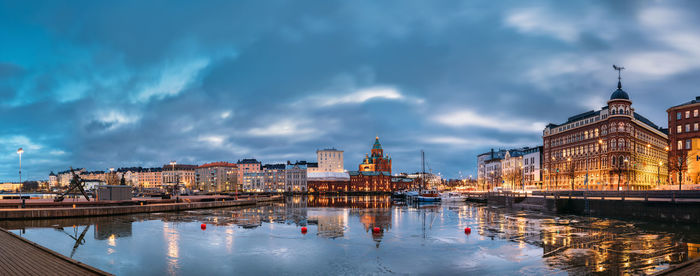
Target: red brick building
{"points": [[683, 132], [374, 174]]}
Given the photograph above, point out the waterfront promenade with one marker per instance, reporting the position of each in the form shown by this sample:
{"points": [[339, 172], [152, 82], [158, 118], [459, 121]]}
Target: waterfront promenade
{"points": [[19, 256]]}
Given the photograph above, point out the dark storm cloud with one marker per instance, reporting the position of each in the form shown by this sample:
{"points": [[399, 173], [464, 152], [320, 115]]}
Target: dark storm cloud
{"points": [[129, 83]]}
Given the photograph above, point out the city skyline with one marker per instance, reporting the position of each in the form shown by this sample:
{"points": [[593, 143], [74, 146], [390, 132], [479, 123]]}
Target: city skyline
{"points": [[204, 82]]}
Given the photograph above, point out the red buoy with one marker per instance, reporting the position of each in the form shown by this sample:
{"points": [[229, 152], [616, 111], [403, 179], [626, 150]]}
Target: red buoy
{"points": [[203, 226], [376, 230], [303, 230], [467, 230]]}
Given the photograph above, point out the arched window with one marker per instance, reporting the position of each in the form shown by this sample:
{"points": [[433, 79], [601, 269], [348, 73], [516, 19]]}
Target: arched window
{"points": [[613, 160], [613, 112]]}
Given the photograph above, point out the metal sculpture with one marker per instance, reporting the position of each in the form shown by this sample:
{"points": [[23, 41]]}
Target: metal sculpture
{"points": [[76, 182]]}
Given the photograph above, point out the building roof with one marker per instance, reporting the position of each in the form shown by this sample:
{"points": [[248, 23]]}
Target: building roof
{"points": [[377, 145], [248, 161], [697, 100], [619, 94], [179, 167], [219, 164], [577, 117], [303, 163], [368, 173], [327, 175], [274, 166]]}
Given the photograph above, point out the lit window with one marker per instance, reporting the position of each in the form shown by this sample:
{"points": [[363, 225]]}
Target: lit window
{"points": [[695, 113], [687, 127], [695, 126], [687, 144], [687, 114], [679, 129]]}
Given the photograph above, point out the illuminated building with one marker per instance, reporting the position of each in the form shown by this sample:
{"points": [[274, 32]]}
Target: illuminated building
{"points": [[683, 135], [613, 147], [374, 174], [329, 160], [217, 177], [247, 166]]}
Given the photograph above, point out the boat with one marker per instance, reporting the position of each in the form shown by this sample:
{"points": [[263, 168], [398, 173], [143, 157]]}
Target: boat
{"points": [[430, 195], [452, 197], [427, 195], [398, 195]]}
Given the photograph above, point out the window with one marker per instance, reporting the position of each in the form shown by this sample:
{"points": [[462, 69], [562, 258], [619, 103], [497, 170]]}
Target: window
{"points": [[695, 127], [679, 129], [678, 115], [687, 127], [687, 144], [695, 113], [680, 145], [687, 114]]}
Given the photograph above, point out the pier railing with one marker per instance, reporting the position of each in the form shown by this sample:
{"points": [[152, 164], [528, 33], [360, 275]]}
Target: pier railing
{"points": [[646, 195]]}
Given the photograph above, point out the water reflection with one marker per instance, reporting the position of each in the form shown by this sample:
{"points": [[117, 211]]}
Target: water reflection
{"points": [[501, 240]]}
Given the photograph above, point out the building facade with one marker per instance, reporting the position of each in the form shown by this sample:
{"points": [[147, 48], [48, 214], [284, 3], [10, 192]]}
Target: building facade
{"points": [[248, 166], [532, 168], [330, 160], [512, 170], [295, 178], [217, 177], [53, 180], [328, 182], [376, 162], [151, 178], [374, 174], [683, 134], [608, 149], [181, 174]]}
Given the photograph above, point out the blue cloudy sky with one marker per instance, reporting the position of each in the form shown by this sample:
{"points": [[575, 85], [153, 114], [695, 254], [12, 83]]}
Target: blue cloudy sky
{"points": [[102, 84]]}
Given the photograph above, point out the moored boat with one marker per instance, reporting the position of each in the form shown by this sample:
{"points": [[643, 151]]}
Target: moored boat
{"points": [[452, 197], [429, 195]]}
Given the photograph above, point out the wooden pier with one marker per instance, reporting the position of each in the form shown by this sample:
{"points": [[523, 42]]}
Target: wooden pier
{"points": [[48, 213], [691, 267], [19, 256]]}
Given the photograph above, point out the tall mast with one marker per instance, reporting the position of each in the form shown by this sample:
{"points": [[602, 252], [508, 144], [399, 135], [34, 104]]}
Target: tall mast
{"points": [[422, 178]]}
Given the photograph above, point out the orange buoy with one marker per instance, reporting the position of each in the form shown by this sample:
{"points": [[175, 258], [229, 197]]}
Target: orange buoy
{"points": [[203, 226], [467, 230], [376, 230], [303, 230]]}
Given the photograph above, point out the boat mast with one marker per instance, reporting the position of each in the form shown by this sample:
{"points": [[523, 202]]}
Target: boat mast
{"points": [[422, 178]]}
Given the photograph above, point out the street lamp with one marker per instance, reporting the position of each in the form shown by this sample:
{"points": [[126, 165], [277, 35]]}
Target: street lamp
{"points": [[176, 190], [571, 168], [20, 151], [628, 174], [658, 174]]}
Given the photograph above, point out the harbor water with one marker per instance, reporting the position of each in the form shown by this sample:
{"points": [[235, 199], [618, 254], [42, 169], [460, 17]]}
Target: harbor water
{"points": [[341, 239]]}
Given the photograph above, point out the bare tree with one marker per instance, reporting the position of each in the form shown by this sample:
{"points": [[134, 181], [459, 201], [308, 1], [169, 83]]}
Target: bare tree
{"points": [[679, 163], [572, 173]]}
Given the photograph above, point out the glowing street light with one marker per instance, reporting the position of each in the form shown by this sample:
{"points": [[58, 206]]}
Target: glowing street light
{"points": [[20, 151]]}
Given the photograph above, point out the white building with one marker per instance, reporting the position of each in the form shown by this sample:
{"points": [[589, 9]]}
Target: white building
{"points": [[510, 169], [330, 160], [53, 180], [254, 182], [532, 163], [295, 178]]}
